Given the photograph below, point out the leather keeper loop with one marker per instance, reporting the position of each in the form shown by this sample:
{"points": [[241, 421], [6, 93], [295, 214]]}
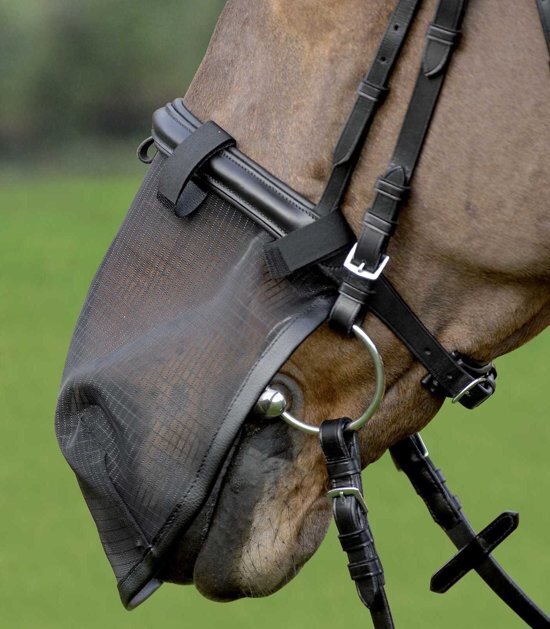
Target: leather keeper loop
{"points": [[363, 569], [360, 295], [392, 190], [379, 224], [354, 541], [342, 468], [446, 36], [371, 91]]}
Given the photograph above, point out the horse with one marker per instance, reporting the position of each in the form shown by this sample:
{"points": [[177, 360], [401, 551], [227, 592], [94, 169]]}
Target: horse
{"points": [[470, 255]]}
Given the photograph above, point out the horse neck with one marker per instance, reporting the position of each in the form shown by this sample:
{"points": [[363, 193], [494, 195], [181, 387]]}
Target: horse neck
{"points": [[281, 77]]}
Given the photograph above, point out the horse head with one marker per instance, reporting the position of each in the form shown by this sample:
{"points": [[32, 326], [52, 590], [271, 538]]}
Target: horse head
{"points": [[470, 257]]}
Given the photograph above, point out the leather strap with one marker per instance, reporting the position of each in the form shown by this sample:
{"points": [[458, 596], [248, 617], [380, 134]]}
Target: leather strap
{"points": [[392, 188], [298, 249], [187, 158], [411, 456], [371, 92], [342, 457], [544, 11], [475, 552], [451, 374]]}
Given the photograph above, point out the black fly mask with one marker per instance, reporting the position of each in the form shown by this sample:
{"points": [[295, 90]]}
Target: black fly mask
{"points": [[181, 331]]}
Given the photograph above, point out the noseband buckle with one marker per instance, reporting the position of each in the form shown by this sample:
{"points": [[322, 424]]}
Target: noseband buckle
{"points": [[481, 388], [359, 269], [476, 391]]}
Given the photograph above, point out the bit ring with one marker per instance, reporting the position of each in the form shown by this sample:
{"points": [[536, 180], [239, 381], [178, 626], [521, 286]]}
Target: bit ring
{"points": [[272, 395]]}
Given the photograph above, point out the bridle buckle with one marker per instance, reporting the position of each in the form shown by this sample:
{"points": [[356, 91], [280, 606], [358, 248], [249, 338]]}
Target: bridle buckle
{"points": [[481, 388], [342, 492], [488, 390], [359, 269]]}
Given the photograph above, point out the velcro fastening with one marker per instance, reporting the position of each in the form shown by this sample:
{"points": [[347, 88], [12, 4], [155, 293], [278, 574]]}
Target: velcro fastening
{"points": [[312, 243], [191, 198], [189, 156]]}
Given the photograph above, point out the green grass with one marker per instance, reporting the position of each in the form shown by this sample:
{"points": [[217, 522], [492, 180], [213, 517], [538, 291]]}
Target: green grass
{"points": [[53, 573]]}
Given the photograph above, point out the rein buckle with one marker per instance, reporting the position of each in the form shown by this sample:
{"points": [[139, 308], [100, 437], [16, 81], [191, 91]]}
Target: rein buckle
{"points": [[341, 492]]}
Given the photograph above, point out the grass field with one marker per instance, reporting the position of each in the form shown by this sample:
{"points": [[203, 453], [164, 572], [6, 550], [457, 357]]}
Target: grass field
{"points": [[53, 573]]}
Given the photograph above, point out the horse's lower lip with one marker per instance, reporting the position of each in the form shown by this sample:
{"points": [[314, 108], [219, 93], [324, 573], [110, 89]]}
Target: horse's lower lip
{"points": [[179, 568], [234, 548], [263, 456], [260, 536]]}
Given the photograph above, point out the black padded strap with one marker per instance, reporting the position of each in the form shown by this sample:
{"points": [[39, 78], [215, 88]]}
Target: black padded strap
{"points": [[411, 456], [392, 188], [298, 249], [342, 457], [188, 156], [544, 12]]}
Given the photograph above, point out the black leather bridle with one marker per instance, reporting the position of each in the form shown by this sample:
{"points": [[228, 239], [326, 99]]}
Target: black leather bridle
{"points": [[363, 288]]}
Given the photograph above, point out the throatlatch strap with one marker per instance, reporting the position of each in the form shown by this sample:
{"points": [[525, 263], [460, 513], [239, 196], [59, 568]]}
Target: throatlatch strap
{"points": [[343, 462], [392, 188], [544, 12], [190, 155], [411, 456], [297, 250]]}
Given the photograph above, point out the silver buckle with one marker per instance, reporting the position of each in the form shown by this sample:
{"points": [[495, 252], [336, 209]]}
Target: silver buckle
{"points": [[340, 492], [466, 390], [359, 269]]}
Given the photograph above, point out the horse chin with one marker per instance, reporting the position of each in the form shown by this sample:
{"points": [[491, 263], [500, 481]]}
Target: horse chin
{"points": [[248, 574], [264, 525]]}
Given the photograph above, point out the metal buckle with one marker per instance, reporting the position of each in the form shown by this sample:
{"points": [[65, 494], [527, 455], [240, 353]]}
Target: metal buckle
{"points": [[421, 446], [359, 269], [472, 385], [340, 492]]}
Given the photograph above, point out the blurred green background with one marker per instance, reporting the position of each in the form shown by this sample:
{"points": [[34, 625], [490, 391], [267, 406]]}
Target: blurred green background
{"points": [[72, 73]]}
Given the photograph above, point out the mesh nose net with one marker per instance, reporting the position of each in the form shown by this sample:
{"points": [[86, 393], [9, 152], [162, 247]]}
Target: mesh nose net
{"points": [[180, 332]]}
